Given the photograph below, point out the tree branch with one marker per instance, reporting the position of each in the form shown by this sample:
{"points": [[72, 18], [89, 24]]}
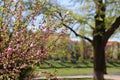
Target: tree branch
{"points": [[86, 38], [112, 29]]}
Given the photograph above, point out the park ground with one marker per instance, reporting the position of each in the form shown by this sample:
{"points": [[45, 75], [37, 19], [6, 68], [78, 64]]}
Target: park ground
{"points": [[76, 71]]}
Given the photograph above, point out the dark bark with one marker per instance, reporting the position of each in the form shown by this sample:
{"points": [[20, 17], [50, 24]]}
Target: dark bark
{"points": [[112, 29], [98, 75], [99, 42], [99, 58]]}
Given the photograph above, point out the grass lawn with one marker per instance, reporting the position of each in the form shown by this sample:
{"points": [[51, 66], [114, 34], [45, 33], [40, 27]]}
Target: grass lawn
{"points": [[76, 71], [80, 68], [77, 79], [69, 71]]}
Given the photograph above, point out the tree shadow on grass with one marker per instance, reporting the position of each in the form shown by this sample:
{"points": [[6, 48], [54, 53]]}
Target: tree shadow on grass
{"points": [[67, 65], [113, 64], [80, 64]]}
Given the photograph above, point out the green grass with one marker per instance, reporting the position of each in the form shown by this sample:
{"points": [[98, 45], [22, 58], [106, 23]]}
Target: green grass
{"points": [[77, 79], [69, 71], [76, 71], [80, 68], [58, 64]]}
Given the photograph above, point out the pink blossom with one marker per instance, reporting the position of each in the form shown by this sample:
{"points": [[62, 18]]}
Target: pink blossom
{"points": [[23, 66], [14, 12], [48, 31], [20, 39], [17, 71], [43, 27], [24, 30], [38, 52], [10, 44], [16, 4], [11, 0], [21, 7], [28, 61], [18, 45], [13, 62], [31, 45], [17, 33], [10, 50]]}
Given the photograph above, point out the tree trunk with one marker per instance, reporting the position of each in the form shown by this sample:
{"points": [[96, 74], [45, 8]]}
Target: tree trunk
{"points": [[99, 58], [99, 62], [98, 75], [99, 41], [83, 54]]}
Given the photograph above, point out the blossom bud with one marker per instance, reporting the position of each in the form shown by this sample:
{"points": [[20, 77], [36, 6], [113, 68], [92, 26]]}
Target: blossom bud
{"points": [[10, 50]]}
